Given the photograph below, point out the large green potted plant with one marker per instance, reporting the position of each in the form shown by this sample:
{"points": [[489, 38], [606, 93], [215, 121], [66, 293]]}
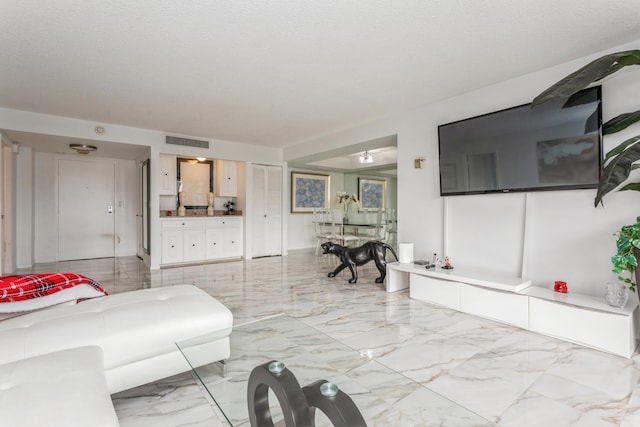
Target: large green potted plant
{"points": [[626, 259], [619, 162]]}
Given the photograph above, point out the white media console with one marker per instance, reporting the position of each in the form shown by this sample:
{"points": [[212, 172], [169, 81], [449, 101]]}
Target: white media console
{"points": [[582, 319]]}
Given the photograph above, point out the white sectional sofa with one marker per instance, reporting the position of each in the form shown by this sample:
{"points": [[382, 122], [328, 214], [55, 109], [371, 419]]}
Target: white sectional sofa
{"points": [[132, 335]]}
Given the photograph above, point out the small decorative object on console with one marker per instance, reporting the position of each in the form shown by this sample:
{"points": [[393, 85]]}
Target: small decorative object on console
{"points": [[447, 264], [229, 207], [616, 294], [560, 286]]}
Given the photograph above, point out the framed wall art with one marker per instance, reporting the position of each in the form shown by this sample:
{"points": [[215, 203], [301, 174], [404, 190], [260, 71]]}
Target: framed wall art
{"points": [[309, 191], [372, 193]]}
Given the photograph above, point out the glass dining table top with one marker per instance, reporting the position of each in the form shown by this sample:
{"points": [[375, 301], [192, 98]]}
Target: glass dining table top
{"points": [[383, 396]]}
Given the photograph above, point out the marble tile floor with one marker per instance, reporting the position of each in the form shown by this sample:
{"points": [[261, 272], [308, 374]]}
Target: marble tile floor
{"points": [[508, 376]]}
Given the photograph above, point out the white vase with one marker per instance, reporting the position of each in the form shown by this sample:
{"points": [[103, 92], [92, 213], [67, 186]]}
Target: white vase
{"points": [[616, 294], [181, 210], [210, 204]]}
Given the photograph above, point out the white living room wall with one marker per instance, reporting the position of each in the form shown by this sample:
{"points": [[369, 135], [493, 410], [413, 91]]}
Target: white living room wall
{"points": [[546, 236]]}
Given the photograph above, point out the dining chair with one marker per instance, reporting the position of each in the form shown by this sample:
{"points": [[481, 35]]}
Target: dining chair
{"points": [[374, 217], [321, 227], [391, 228], [338, 232]]}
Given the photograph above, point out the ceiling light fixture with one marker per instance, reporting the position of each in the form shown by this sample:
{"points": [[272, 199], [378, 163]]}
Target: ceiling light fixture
{"points": [[83, 148], [201, 159], [366, 157]]}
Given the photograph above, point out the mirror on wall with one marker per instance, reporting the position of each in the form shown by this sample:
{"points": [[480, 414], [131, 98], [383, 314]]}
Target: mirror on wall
{"points": [[195, 180]]}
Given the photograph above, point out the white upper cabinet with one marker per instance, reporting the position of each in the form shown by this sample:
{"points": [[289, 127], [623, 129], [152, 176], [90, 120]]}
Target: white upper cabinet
{"points": [[226, 178], [167, 175]]}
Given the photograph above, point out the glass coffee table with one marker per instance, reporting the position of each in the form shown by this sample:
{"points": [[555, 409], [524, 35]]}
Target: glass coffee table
{"points": [[383, 396]]}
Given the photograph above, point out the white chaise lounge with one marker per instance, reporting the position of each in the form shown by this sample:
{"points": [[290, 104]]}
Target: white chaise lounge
{"points": [[133, 335]]}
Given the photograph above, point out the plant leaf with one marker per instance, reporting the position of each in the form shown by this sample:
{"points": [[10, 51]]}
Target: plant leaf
{"points": [[621, 122], [620, 148], [622, 245], [632, 59], [635, 186], [618, 168], [579, 98], [593, 71]]}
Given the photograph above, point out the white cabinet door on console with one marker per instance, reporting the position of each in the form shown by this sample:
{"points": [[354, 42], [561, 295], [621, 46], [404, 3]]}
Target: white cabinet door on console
{"points": [[441, 292], [506, 307], [607, 331]]}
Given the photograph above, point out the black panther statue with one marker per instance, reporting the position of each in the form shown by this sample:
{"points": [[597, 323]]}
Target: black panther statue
{"points": [[351, 257]]}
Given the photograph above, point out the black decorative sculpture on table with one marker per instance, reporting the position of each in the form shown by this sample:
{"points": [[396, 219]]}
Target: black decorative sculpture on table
{"points": [[298, 404], [352, 257]]}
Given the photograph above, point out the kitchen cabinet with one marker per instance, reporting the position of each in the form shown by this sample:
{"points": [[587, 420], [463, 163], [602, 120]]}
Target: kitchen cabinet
{"points": [[226, 178], [182, 240], [193, 249], [224, 237], [168, 167], [172, 246], [189, 240]]}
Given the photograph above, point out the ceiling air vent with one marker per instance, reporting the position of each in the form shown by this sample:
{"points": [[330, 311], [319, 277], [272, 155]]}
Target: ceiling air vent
{"points": [[187, 142]]}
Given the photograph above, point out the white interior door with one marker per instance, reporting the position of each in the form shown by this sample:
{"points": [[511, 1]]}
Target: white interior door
{"points": [[267, 211], [86, 194], [7, 210], [258, 201], [273, 210]]}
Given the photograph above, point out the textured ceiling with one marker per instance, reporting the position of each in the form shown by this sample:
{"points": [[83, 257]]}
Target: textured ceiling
{"points": [[279, 72]]}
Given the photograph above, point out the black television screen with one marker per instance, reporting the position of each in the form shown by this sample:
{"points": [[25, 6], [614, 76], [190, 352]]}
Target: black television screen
{"points": [[554, 146]]}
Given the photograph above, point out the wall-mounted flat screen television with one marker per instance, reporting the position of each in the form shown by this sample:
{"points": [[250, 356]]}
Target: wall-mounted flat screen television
{"points": [[554, 146]]}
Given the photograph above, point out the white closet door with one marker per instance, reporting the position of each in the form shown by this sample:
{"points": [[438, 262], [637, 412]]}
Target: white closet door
{"points": [[273, 210], [258, 240], [86, 194], [267, 210]]}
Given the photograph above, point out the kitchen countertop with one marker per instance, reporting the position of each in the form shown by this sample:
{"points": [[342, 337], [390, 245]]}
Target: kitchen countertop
{"points": [[198, 214]]}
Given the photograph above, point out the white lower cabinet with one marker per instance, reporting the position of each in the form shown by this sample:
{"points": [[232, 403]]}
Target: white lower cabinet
{"points": [[437, 291], [583, 319], [193, 241], [215, 243], [224, 237], [188, 240], [172, 246], [506, 307]]}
